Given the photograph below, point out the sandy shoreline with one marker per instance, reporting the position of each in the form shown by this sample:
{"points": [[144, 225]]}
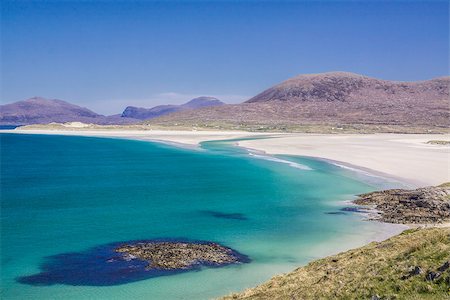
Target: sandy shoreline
{"points": [[403, 157], [185, 138]]}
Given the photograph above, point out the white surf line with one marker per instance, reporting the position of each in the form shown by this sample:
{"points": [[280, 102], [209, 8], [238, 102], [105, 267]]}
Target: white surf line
{"points": [[356, 170], [274, 159], [382, 178]]}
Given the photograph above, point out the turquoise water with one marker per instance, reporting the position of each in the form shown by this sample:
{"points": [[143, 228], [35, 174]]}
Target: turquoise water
{"points": [[63, 194]]}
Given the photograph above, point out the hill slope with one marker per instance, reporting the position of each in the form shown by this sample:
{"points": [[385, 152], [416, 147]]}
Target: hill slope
{"points": [[160, 110], [39, 110], [412, 265], [330, 98], [349, 87]]}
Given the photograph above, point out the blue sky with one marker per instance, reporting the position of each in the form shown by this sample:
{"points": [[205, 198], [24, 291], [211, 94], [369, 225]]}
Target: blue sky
{"points": [[108, 54]]}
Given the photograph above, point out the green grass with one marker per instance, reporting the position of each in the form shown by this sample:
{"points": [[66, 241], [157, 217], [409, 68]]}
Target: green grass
{"points": [[373, 270]]}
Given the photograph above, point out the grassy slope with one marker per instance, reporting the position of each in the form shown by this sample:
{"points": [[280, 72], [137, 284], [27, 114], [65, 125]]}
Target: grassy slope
{"points": [[216, 125], [375, 269]]}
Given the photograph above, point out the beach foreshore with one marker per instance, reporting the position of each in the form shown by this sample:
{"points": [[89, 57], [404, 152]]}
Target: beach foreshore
{"points": [[404, 157]]}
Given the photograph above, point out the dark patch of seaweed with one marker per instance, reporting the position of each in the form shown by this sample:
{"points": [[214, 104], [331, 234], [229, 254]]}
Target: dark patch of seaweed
{"points": [[103, 266], [222, 215]]}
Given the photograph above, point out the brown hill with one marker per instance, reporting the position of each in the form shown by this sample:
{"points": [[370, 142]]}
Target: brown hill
{"points": [[38, 110], [336, 99]]}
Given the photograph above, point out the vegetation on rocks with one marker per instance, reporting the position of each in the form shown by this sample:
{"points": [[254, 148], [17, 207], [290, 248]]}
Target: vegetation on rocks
{"points": [[180, 255], [420, 206]]}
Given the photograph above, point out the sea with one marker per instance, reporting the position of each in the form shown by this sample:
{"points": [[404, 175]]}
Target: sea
{"points": [[65, 199]]}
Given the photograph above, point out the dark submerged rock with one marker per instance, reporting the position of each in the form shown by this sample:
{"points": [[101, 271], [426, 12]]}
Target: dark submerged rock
{"points": [[354, 209], [336, 213], [117, 263], [222, 215]]}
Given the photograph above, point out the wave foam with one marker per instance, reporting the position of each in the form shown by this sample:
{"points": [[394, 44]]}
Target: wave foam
{"points": [[274, 159]]}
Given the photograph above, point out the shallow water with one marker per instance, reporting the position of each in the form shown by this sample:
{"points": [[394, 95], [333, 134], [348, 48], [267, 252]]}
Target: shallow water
{"points": [[64, 194]]}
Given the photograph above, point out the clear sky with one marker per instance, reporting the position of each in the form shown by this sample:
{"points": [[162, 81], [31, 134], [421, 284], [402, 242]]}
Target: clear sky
{"points": [[106, 55]]}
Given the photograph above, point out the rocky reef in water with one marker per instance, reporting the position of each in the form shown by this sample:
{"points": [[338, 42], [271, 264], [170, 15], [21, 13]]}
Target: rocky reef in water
{"points": [[179, 255], [125, 262], [428, 205]]}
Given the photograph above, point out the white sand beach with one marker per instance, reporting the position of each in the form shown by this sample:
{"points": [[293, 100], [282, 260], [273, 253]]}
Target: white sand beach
{"points": [[187, 138], [405, 157]]}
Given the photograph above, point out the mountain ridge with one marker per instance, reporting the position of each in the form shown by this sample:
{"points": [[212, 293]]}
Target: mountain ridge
{"points": [[39, 110], [331, 99], [156, 111], [334, 86]]}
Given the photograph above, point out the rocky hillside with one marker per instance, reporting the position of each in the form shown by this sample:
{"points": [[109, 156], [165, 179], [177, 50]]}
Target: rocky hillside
{"points": [[39, 110], [412, 265], [349, 87], [336, 99], [160, 110]]}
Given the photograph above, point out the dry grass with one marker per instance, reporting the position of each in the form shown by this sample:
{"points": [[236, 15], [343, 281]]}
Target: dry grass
{"points": [[373, 270], [254, 127]]}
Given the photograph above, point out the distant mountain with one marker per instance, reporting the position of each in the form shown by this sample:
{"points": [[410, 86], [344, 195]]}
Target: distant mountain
{"points": [[39, 110], [330, 98], [149, 113], [349, 87], [203, 101]]}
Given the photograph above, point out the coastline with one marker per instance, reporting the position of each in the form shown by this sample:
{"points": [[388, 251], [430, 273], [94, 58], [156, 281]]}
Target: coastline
{"points": [[269, 145], [403, 158], [192, 139]]}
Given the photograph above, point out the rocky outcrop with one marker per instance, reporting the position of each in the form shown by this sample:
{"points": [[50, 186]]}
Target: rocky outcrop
{"points": [[180, 255], [439, 142], [124, 262], [419, 206]]}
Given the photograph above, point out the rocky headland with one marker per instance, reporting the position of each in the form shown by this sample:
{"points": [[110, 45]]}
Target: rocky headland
{"points": [[412, 265], [180, 255], [428, 205]]}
